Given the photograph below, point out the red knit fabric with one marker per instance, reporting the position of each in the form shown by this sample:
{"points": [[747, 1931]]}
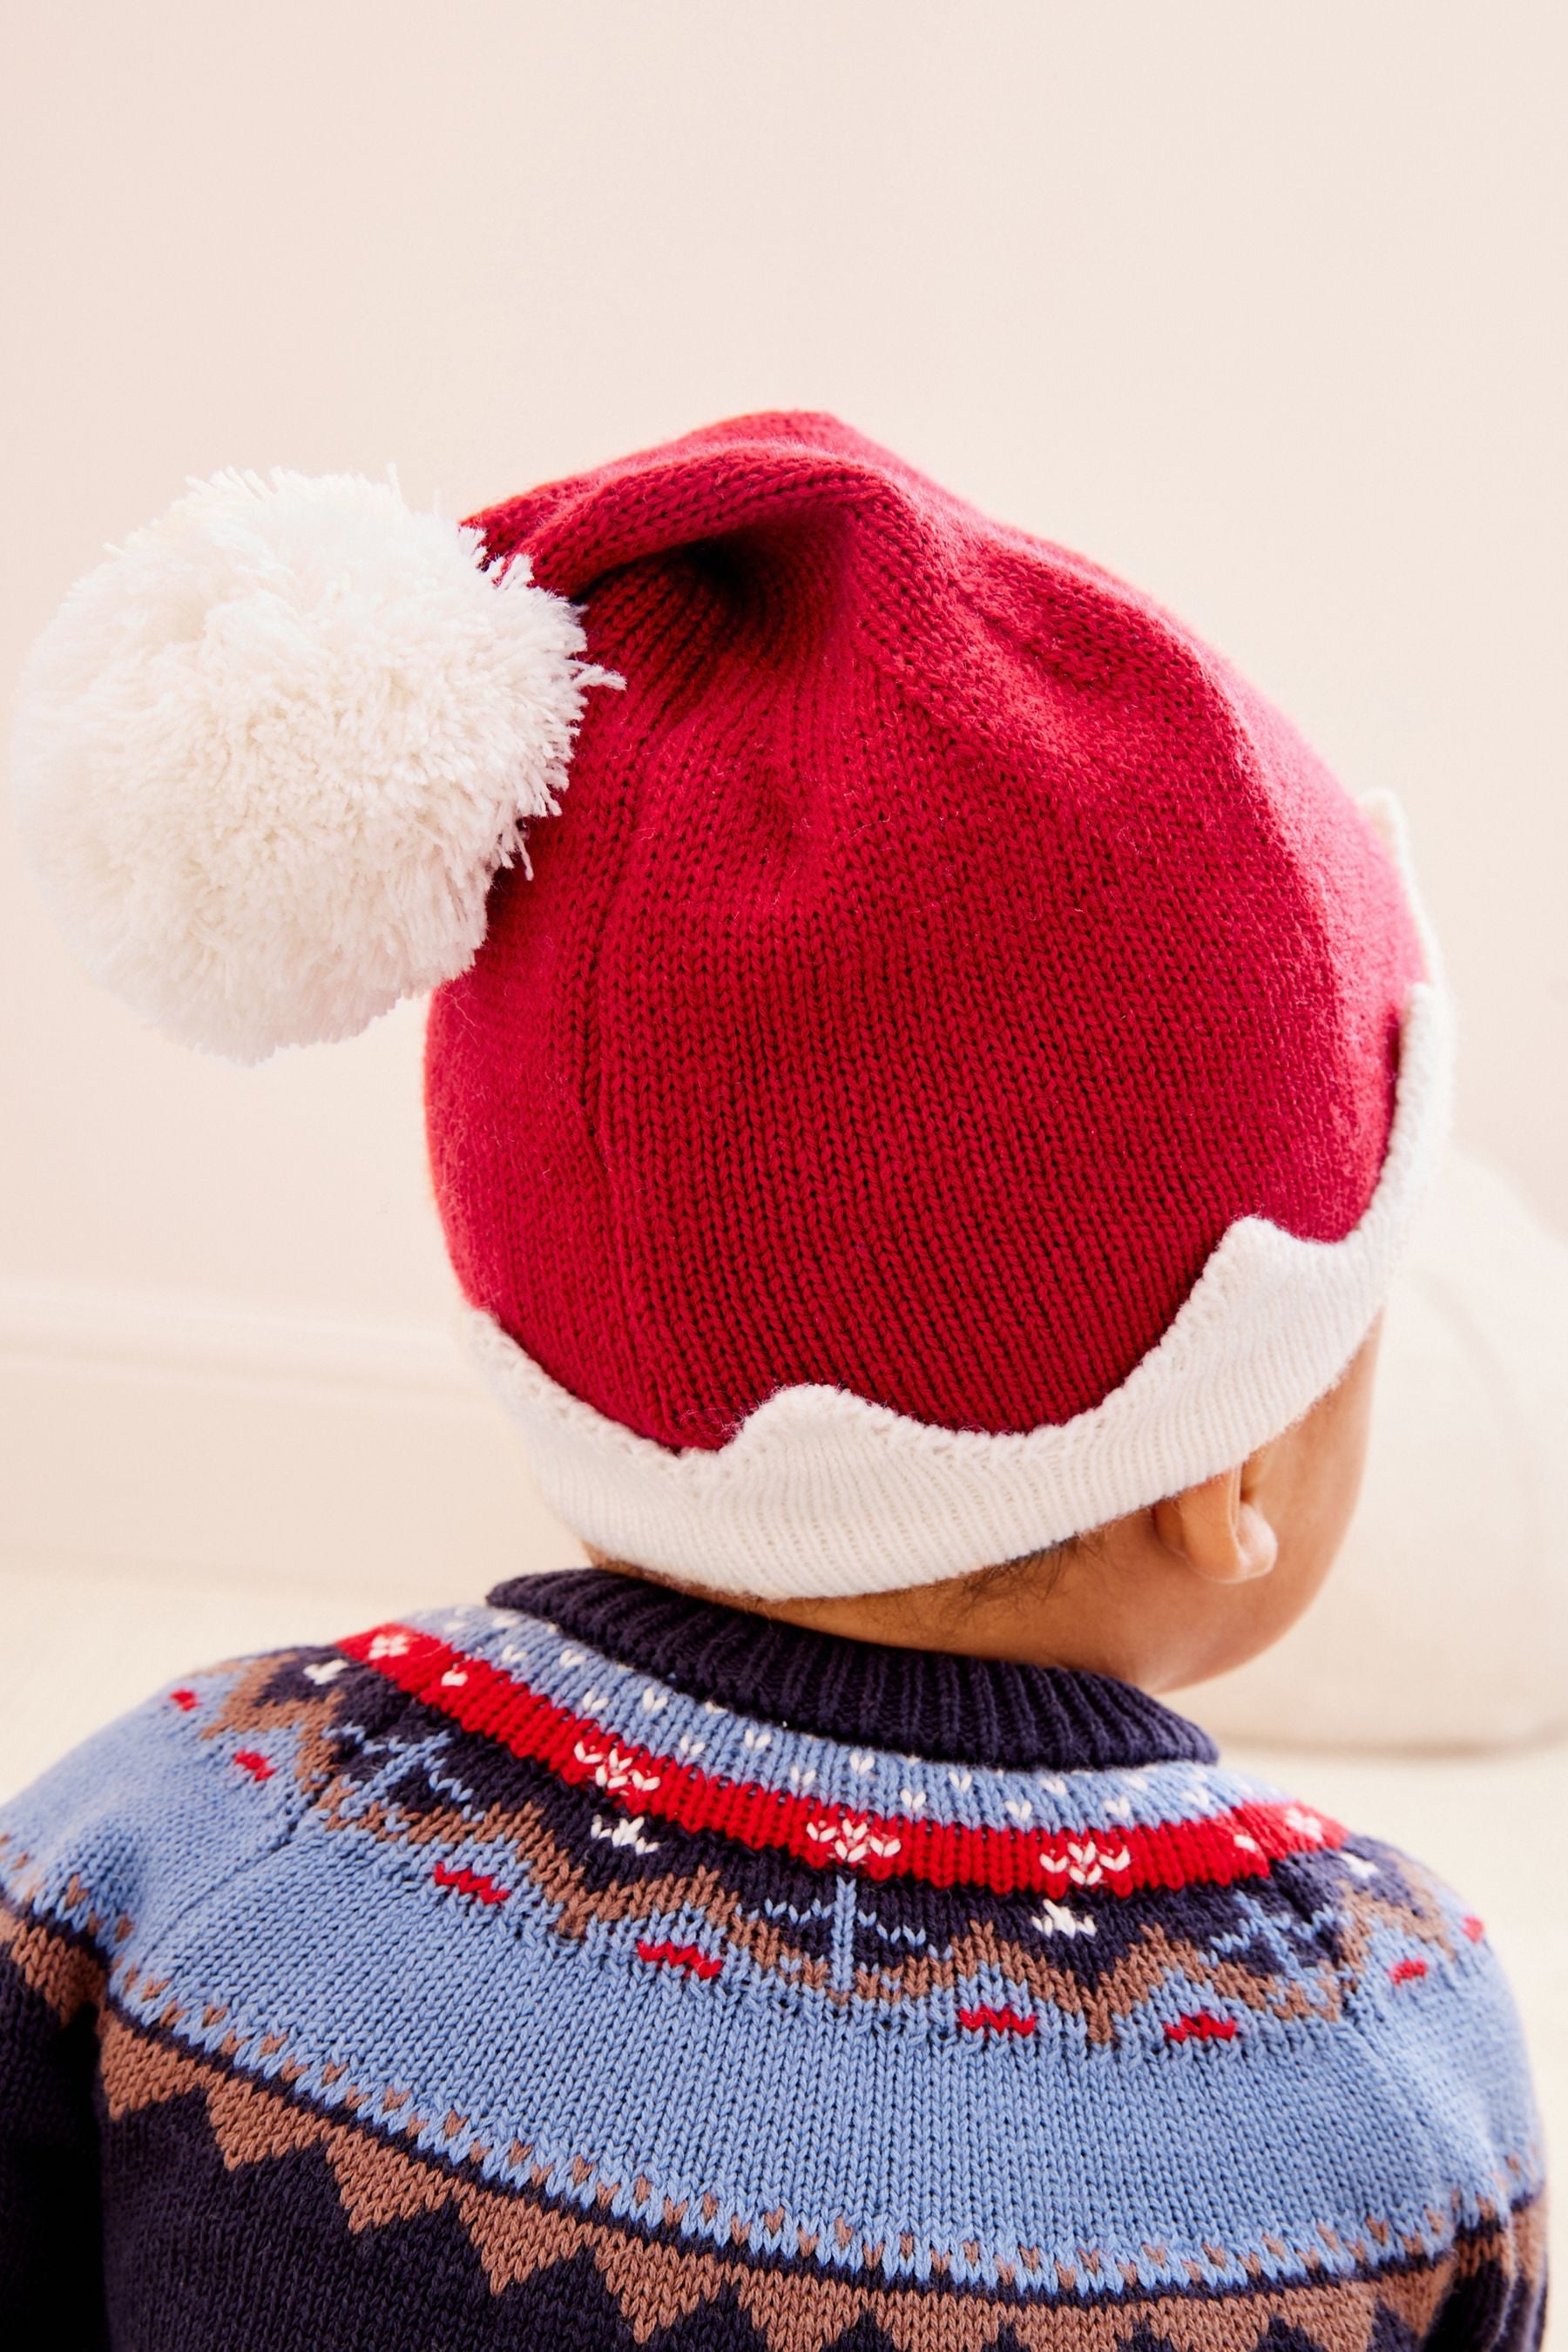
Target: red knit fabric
{"points": [[938, 949], [1214, 1849]]}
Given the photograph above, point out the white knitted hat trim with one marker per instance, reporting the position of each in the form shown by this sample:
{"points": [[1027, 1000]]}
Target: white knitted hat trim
{"points": [[819, 1492]]}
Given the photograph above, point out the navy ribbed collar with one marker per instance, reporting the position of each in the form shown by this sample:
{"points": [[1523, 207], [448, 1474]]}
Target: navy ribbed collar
{"points": [[923, 1702]]}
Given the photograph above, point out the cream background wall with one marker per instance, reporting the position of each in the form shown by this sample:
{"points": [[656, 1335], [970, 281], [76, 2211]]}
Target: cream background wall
{"points": [[1260, 306]]}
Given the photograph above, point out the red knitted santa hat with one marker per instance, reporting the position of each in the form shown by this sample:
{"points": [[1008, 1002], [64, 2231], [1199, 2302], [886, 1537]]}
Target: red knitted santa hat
{"points": [[957, 1067]]}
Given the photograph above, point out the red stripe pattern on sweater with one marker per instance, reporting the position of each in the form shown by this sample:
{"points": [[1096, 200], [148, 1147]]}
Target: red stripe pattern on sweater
{"points": [[1241, 1842]]}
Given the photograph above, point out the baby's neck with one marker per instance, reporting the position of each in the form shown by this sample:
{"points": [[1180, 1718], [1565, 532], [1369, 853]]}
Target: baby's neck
{"points": [[999, 1613]]}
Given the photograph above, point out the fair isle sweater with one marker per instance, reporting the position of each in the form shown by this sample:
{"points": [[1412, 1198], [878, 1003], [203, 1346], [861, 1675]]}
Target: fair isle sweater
{"points": [[604, 1968]]}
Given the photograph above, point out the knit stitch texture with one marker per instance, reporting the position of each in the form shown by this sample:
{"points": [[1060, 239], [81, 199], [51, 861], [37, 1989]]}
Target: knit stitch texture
{"points": [[877, 1011], [601, 1969]]}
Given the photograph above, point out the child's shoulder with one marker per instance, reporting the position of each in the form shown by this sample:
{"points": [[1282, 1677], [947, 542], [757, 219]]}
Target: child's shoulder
{"points": [[168, 1800], [1180, 1900], [215, 1772], [591, 1871], [1262, 1906]]}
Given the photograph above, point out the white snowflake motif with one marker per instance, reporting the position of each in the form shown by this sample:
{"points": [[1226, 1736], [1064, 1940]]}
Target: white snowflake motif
{"points": [[1056, 1919], [1087, 1862], [325, 1670], [626, 1832], [615, 1768], [389, 1645], [850, 1839], [1304, 1823], [454, 1678]]}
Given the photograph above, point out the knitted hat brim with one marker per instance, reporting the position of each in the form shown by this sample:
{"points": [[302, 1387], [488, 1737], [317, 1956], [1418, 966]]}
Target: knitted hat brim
{"points": [[820, 1492]]}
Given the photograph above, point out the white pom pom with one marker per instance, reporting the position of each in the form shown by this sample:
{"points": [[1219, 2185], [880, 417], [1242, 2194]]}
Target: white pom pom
{"points": [[271, 752]]}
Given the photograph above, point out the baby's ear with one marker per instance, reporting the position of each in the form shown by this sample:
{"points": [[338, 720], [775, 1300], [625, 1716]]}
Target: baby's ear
{"points": [[1221, 1535], [271, 753]]}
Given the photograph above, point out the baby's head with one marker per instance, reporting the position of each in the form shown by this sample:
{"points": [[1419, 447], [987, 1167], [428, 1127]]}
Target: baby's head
{"points": [[944, 1084]]}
